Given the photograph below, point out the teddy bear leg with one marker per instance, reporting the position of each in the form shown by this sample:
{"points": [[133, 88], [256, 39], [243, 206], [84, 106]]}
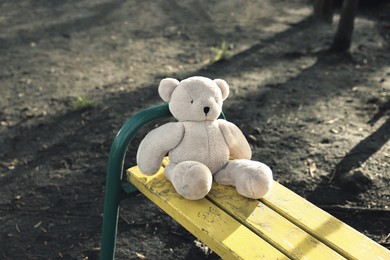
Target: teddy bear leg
{"points": [[191, 179], [252, 179]]}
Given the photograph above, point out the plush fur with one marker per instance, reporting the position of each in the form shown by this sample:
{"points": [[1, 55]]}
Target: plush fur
{"points": [[200, 146]]}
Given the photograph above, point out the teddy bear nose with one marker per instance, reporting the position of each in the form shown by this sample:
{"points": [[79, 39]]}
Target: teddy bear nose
{"points": [[206, 110]]}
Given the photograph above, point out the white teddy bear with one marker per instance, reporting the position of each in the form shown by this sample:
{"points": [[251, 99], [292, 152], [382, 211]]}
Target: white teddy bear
{"points": [[200, 146]]}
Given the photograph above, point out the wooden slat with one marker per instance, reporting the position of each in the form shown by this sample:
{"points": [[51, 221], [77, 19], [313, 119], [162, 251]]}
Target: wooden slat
{"points": [[338, 235], [222, 233], [271, 226]]}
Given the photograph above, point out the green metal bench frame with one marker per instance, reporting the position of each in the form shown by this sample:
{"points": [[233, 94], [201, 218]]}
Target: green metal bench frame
{"points": [[114, 190]]}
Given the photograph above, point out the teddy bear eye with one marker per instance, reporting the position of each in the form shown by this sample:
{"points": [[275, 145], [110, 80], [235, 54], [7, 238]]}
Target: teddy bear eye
{"points": [[192, 101]]}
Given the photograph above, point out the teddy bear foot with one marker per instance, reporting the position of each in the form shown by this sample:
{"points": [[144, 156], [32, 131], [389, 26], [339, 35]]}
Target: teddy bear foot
{"points": [[252, 179], [256, 187], [191, 179]]}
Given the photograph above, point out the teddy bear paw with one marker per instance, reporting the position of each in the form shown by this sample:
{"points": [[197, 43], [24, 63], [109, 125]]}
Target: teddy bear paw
{"points": [[192, 180]]}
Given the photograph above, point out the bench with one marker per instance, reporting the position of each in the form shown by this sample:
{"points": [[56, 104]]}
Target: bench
{"points": [[281, 225]]}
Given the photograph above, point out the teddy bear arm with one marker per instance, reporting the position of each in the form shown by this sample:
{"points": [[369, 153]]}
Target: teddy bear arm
{"points": [[155, 146], [236, 141]]}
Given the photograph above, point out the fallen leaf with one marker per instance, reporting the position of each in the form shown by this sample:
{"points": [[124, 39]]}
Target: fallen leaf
{"points": [[38, 224], [311, 167], [140, 256], [332, 121], [252, 137], [17, 227]]}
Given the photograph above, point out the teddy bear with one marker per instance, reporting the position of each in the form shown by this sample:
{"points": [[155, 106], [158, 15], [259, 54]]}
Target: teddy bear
{"points": [[201, 147]]}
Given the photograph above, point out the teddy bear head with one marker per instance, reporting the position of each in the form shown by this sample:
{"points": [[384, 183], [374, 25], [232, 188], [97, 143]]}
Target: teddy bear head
{"points": [[195, 98]]}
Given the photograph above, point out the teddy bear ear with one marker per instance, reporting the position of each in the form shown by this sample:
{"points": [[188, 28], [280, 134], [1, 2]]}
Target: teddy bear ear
{"points": [[223, 86], [166, 88]]}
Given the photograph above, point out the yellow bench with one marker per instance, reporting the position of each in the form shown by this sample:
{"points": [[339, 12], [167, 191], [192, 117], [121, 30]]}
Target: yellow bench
{"points": [[282, 225]]}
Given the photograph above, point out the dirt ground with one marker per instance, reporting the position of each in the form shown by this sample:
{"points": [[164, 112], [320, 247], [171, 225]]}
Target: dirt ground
{"points": [[321, 121]]}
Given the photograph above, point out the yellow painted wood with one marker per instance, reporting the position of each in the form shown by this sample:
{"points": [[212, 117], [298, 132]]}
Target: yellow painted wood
{"points": [[271, 226], [222, 233], [338, 235], [276, 218], [165, 162]]}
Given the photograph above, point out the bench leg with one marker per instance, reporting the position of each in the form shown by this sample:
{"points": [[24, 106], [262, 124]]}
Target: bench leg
{"points": [[110, 219]]}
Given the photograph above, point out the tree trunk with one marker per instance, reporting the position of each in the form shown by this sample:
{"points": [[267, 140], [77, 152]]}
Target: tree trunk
{"points": [[323, 10], [343, 36]]}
